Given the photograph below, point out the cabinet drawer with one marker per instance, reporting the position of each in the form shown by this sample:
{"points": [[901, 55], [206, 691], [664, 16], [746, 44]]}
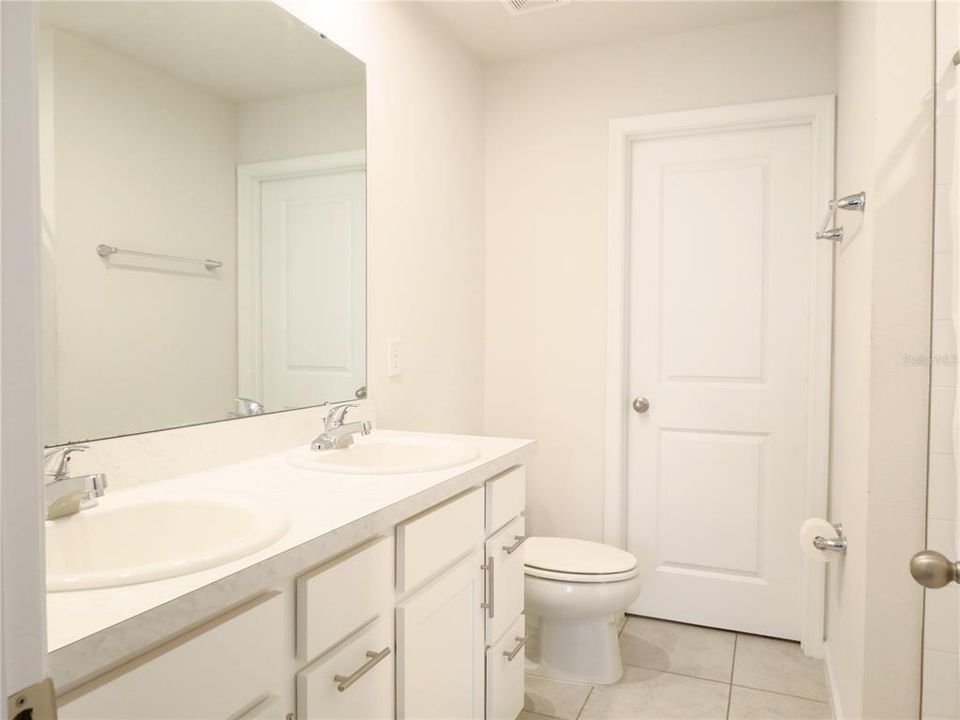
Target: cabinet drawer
{"points": [[505, 675], [363, 667], [342, 596], [215, 671], [505, 552], [434, 540], [506, 497]]}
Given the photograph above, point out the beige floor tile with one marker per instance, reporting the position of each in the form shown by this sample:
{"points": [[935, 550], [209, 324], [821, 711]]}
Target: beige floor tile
{"points": [[653, 695], [684, 649], [556, 699], [749, 704], [780, 666]]}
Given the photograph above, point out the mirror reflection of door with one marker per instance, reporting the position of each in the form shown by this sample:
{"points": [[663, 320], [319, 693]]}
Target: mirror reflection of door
{"points": [[301, 279]]}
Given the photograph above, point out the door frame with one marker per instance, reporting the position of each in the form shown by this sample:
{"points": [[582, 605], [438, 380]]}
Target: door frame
{"points": [[23, 646], [817, 112], [250, 177]]}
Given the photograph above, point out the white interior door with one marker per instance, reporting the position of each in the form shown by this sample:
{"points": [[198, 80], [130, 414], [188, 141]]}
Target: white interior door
{"points": [[721, 316], [301, 281]]}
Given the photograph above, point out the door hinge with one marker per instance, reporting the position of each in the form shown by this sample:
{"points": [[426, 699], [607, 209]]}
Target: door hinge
{"points": [[36, 702]]}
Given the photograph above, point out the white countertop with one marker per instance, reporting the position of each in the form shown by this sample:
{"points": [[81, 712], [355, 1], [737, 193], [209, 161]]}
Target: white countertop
{"points": [[89, 630]]}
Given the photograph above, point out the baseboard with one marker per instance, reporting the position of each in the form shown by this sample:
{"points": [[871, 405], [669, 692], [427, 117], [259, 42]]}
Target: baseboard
{"points": [[828, 664]]}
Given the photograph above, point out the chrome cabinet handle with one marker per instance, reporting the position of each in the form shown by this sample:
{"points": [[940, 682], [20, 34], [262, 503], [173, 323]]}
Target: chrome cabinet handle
{"points": [[345, 681], [488, 606], [511, 654], [520, 540]]}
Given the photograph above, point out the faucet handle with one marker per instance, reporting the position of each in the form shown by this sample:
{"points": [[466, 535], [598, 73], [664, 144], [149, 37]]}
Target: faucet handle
{"points": [[337, 412], [61, 456]]}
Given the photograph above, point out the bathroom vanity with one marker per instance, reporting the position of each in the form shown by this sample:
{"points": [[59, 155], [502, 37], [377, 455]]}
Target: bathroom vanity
{"points": [[388, 595]]}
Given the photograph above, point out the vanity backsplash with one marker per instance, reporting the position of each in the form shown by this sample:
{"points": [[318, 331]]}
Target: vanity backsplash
{"points": [[148, 457]]}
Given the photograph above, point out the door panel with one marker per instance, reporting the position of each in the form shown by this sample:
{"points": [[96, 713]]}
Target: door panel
{"points": [[312, 288], [721, 307]]}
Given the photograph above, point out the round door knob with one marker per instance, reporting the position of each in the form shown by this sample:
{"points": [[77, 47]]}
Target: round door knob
{"points": [[641, 405], [933, 570]]}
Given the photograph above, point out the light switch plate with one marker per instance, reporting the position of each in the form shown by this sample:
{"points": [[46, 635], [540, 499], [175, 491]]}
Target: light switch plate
{"points": [[394, 357]]}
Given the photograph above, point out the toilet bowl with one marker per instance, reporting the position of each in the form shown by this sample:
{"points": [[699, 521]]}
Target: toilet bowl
{"points": [[575, 593]]}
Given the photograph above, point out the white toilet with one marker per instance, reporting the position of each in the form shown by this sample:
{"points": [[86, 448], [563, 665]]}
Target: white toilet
{"points": [[575, 593]]}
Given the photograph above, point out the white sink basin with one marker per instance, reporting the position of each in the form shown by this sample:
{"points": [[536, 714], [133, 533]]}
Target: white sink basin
{"points": [[131, 538], [387, 455]]}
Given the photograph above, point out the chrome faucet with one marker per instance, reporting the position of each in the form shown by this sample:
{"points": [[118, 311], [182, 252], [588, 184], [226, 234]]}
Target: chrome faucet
{"points": [[246, 407], [67, 494], [336, 434]]}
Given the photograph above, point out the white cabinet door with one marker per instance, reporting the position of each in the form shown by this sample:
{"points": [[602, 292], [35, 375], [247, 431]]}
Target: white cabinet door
{"points": [[440, 651]]}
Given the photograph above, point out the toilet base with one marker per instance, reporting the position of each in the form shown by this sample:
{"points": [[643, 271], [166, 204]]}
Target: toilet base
{"points": [[585, 650]]}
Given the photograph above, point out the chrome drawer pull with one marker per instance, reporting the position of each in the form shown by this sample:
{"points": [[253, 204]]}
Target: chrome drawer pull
{"points": [[346, 681], [511, 654], [488, 606], [520, 540]]}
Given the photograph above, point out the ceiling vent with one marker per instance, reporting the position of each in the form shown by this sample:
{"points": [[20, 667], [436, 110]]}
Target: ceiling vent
{"points": [[524, 7]]}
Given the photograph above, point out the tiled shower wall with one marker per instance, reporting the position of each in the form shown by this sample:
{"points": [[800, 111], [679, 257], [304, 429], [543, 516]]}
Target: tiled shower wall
{"points": [[940, 655]]}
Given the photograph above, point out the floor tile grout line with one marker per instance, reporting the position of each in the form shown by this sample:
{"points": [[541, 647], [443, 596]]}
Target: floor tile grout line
{"points": [[585, 701], [670, 672], [781, 693], [733, 662]]}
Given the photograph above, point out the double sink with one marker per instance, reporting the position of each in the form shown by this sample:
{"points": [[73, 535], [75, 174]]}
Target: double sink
{"points": [[141, 535]]}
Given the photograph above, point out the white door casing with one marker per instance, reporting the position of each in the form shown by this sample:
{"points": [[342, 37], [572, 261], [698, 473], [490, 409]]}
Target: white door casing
{"points": [[23, 649], [719, 313], [300, 279]]}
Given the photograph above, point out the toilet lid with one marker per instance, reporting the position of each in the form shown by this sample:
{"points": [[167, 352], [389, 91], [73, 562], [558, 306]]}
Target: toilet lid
{"points": [[553, 557]]}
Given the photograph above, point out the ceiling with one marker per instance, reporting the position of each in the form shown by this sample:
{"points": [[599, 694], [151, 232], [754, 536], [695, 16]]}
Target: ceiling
{"points": [[241, 51], [493, 35]]}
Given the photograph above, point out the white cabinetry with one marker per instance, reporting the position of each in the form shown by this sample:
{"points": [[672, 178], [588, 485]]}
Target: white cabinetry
{"points": [[220, 670], [440, 646], [506, 533], [345, 631], [423, 622], [505, 674], [353, 681]]}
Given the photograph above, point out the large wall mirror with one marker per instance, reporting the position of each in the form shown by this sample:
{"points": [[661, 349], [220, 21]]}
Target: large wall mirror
{"points": [[203, 181]]}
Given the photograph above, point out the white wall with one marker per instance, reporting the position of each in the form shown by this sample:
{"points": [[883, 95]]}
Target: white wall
{"points": [[299, 125], [546, 188], [425, 140], [145, 161], [882, 323]]}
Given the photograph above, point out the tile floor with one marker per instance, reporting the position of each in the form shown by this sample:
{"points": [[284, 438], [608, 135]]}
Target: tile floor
{"points": [[683, 671]]}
